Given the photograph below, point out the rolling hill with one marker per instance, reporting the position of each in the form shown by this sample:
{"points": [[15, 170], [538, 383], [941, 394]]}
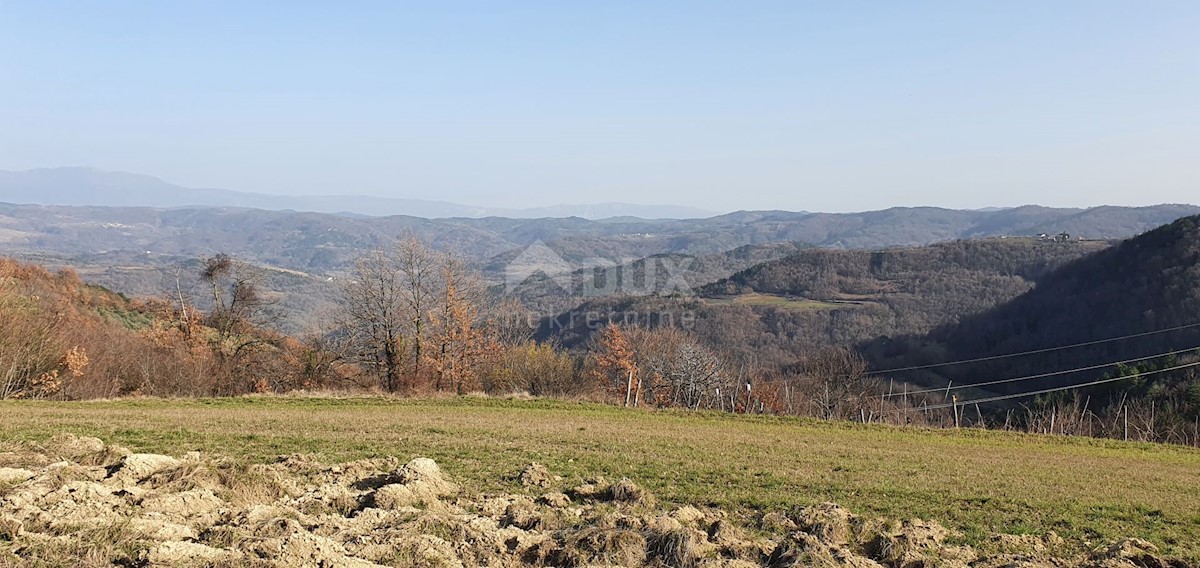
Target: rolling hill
{"points": [[315, 242], [1142, 285], [819, 297], [137, 250]]}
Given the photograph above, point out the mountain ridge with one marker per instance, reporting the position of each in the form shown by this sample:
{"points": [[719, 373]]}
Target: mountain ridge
{"points": [[319, 242], [82, 186]]}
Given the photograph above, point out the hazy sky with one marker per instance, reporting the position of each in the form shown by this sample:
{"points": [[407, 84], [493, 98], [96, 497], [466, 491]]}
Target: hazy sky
{"points": [[831, 106]]}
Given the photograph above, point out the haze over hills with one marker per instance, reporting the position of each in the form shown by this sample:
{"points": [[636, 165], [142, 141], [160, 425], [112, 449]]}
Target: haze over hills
{"points": [[316, 242], [93, 187]]}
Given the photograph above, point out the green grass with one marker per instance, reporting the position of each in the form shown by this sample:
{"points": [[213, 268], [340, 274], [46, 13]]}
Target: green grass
{"points": [[129, 318], [976, 481], [782, 302]]}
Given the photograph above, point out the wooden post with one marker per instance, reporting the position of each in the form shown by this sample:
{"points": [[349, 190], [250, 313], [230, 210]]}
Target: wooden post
{"points": [[1126, 423], [183, 310], [629, 389], [883, 400]]}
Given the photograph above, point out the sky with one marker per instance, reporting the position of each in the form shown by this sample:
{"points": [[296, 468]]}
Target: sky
{"points": [[818, 106]]}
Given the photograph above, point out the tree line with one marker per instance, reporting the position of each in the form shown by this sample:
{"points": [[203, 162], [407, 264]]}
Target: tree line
{"points": [[415, 321]]}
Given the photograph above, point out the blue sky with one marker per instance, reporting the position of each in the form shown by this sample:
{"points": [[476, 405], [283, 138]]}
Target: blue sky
{"points": [[832, 106]]}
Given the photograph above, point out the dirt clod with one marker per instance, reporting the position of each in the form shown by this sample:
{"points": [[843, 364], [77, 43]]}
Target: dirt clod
{"points": [[626, 491], [77, 496], [536, 476], [12, 475]]}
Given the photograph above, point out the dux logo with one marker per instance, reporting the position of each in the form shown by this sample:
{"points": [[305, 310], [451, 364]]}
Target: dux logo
{"points": [[538, 259], [598, 276]]}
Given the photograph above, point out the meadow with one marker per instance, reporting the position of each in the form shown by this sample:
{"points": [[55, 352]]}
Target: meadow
{"points": [[1089, 491]]}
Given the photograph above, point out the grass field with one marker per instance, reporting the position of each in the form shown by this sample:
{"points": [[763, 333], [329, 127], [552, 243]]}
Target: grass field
{"points": [[782, 302], [978, 482]]}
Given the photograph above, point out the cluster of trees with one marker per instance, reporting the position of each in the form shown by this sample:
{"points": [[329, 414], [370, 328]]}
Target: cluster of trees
{"points": [[666, 367], [413, 321]]}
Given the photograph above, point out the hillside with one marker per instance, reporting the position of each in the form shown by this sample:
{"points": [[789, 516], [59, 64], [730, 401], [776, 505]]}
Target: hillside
{"points": [[1144, 284], [780, 309], [63, 339], [653, 275]]}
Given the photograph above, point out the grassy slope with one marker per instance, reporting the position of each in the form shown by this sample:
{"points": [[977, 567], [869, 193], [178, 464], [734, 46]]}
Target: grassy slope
{"points": [[778, 301], [978, 482]]}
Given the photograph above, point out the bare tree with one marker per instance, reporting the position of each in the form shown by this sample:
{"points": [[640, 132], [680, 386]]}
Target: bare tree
{"points": [[386, 311], [29, 349], [417, 266], [239, 299], [242, 313], [374, 317], [696, 375], [838, 382], [679, 371]]}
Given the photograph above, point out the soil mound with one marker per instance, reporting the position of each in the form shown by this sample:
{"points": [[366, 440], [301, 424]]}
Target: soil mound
{"points": [[78, 498]]}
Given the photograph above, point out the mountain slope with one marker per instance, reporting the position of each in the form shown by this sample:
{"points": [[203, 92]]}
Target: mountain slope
{"points": [[779, 310], [1144, 284]]}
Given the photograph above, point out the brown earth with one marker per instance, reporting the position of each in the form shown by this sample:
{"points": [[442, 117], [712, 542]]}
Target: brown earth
{"points": [[79, 502]]}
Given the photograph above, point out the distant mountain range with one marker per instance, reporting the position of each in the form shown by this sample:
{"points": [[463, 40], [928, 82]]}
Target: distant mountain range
{"points": [[319, 243], [88, 186]]}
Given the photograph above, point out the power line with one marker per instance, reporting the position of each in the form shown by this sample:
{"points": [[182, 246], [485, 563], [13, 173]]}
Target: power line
{"points": [[1055, 389], [1040, 376], [1032, 352]]}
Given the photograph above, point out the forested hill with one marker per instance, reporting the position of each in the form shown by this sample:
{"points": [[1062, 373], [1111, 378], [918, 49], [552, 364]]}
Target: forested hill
{"points": [[780, 310], [932, 270], [1144, 284]]}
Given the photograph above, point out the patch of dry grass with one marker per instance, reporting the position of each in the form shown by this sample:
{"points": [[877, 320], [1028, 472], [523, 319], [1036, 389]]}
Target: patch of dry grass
{"points": [[977, 482]]}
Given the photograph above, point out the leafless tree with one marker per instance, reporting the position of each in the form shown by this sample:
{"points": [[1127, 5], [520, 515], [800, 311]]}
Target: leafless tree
{"points": [[838, 382], [674, 369], [239, 299], [386, 311]]}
